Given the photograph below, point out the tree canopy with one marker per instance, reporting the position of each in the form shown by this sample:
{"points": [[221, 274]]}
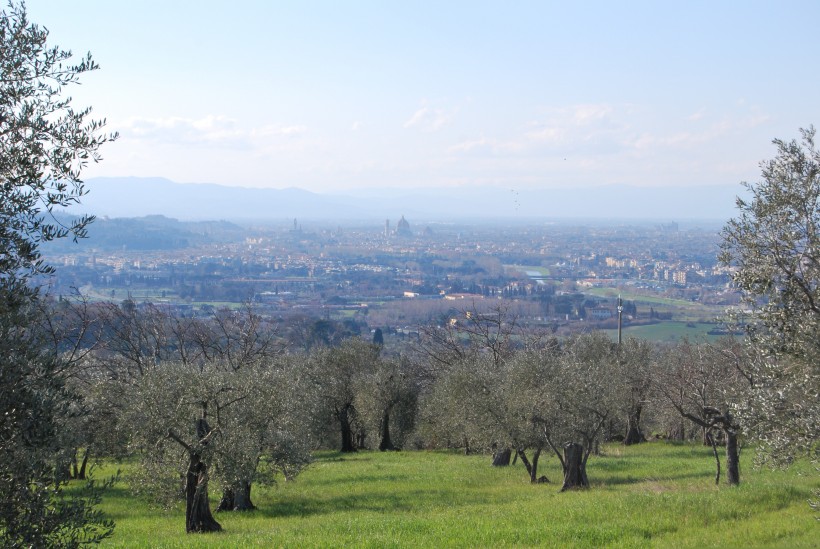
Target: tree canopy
{"points": [[773, 245], [44, 145]]}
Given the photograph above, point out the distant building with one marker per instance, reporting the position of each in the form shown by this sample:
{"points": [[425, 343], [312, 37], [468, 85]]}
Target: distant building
{"points": [[599, 313], [403, 227]]}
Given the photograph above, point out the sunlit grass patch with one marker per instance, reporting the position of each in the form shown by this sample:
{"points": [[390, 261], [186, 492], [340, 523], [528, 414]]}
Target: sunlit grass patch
{"points": [[649, 495]]}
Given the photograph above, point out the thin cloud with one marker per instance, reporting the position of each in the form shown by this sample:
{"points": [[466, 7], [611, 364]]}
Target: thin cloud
{"points": [[284, 131], [428, 119], [577, 129], [553, 134], [588, 114], [209, 129], [705, 134], [485, 147]]}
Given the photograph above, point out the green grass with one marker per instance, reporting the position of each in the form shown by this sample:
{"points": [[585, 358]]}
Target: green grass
{"points": [[612, 293], [652, 495], [542, 271]]}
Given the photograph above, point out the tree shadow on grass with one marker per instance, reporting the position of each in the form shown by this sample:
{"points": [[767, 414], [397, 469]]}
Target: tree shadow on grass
{"points": [[362, 479], [376, 502], [336, 456], [628, 479]]}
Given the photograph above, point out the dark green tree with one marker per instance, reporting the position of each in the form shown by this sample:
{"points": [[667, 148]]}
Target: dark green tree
{"points": [[44, 145]]}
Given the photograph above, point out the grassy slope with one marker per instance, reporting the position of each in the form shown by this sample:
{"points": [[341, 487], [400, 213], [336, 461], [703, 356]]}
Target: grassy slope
{"points": [[653, 495]]}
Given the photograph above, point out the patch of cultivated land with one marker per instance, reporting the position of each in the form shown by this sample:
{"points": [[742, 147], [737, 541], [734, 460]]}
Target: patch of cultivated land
{"points": [[651, 495], [668, 331]]}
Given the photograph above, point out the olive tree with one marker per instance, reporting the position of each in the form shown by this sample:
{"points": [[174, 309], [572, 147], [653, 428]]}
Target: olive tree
{"points": [[386, 400], [226, 371], [773, 247], [481, 334], [36, 403], [580, 396], [211, 421], [558, 396], [44, 145], [703, 383], [474, 403], [339, 374], [635, 358], [529, 378], [265, 430]]}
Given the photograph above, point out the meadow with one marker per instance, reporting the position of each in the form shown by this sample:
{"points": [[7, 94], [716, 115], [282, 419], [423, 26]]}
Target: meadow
{"points": [[650, 495]]}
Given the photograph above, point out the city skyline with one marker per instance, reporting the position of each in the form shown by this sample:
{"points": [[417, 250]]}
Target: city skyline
{"points": [[329, 97]]}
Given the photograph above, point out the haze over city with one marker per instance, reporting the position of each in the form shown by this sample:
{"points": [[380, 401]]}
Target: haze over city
{"points": [[331, 97]]}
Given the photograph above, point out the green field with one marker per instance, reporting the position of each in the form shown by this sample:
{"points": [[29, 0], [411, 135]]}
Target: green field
{"points": [[651, 495], [612, 293], [668, 331], [542, 271]]}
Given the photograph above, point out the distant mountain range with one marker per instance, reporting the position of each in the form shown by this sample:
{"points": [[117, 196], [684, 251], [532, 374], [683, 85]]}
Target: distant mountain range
{"points": [[135, 197]]}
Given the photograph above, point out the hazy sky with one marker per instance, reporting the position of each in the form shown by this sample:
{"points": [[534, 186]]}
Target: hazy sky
{"points": [[334, 95]]}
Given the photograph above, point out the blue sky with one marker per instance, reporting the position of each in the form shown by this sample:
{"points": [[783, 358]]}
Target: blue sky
{"points": [[329, 96]]}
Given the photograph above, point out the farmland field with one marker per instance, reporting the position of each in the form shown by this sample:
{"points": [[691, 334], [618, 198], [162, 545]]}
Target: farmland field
{"points": [[668, 331]]}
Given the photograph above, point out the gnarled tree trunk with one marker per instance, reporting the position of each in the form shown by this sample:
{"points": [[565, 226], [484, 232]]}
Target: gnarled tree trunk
{"points": [[501, 458], [574, 465], [343, 416], [198, 517], [634, 435], [237, 498]]}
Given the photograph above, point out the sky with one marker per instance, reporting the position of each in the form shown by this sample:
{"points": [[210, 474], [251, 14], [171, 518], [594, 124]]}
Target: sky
{"points": [[332, 96]]}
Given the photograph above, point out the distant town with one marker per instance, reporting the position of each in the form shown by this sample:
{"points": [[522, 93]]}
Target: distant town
{"points": [[559, 276]]}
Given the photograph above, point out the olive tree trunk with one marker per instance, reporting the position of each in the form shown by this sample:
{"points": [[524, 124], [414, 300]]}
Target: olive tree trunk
{"points": [[343, 416], [198, 517], [724, 424], [732, 458], [237, 498], [78, 470], [574, 467], [634, 435], [385, 443], [501, 458], [532, 467]]}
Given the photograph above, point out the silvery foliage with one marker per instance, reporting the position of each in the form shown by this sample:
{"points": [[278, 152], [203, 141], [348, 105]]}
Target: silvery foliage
{"points": [[44, 145], [774, 245], [260, 412], [553, 394], [389, 390]]}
